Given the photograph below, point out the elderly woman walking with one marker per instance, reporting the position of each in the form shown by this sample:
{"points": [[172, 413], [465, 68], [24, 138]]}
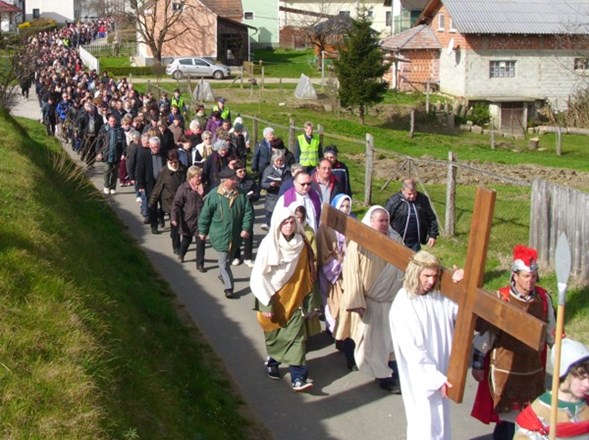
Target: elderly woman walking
{"points": [[282, 282]]}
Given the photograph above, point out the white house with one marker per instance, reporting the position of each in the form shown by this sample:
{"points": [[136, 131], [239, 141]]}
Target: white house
{"points": [[305, 13], [61, 11], [11, 14]]}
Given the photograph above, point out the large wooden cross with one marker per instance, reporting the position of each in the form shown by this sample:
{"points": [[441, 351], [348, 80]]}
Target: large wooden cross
{"points": [[472, 300]]}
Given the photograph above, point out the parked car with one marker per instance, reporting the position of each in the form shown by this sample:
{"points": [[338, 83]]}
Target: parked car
{"points": [[197, 66]]}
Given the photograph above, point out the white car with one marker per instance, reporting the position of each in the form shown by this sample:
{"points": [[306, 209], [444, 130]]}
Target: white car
{"points": [[196, 66]]}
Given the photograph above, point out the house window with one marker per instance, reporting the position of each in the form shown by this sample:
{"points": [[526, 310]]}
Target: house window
{"points": [[36, 13], [388, 19], [370, 13], [451, 23], [441, 22], [177, 6], [248, 15], [581, 64], [502, 69]]}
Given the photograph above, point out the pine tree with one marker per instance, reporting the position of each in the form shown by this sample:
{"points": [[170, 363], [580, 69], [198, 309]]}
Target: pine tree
{"points": [[360, 67]]}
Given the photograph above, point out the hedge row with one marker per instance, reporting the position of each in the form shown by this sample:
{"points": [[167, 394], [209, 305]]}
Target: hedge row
{"points": [[135, 71]]}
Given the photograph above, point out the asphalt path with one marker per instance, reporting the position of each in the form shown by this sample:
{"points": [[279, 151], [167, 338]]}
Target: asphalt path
{"points": [[341, 405]]}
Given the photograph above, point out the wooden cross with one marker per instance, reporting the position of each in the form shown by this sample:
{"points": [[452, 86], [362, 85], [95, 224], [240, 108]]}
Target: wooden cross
{"points": [[472, 300]]}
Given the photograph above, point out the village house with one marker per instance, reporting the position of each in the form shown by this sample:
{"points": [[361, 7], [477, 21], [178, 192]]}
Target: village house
{"points": [[206, 28], [10, 16], [298, 15], [516, 56], [61, 11], [263, 16]]}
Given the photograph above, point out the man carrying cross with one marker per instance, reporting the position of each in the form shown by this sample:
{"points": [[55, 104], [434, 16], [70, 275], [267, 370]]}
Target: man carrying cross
{"points": [[422, 327]]}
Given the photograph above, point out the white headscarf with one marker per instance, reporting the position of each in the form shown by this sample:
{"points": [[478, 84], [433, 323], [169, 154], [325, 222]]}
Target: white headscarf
{"points": [[277, 258]]}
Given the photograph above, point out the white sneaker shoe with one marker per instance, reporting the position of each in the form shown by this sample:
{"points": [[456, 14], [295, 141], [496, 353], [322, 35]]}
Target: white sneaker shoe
{"points": [[138, 199], [113, 191], [264, 227], [236, 262], [249, 263], [106, 191]]}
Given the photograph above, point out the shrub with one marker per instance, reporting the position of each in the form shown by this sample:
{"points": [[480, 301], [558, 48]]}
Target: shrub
{"points": [[135, 71], [480, 114]]}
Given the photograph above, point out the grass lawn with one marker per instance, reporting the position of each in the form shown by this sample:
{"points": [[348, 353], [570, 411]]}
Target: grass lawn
{"points": [[91, 346], [108, 62], [287, 63]]}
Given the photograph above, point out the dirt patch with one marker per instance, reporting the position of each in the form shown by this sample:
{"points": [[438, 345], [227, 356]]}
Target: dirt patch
{"points": [[474, 172]]}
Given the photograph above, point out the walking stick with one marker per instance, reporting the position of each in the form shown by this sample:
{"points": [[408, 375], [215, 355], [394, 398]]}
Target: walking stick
{"points": [[563, 270]]}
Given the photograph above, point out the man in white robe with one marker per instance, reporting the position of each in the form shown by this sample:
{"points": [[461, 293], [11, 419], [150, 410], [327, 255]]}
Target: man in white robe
{"points": [[422, 327]]}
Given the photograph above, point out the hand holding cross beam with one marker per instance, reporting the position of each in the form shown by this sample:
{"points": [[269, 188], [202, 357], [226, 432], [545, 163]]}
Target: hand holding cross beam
{"points": [[472, 300]]}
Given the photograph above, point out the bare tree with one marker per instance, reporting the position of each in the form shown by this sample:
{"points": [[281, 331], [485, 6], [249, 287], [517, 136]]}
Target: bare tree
{"points": [[322, 23], [160, 21], [17, 68]]}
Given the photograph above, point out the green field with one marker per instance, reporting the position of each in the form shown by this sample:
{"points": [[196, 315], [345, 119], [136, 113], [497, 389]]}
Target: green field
{"points": [[90, 344]]}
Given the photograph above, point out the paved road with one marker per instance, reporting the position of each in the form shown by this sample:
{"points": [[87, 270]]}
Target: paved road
{"points": [[342, 405]]}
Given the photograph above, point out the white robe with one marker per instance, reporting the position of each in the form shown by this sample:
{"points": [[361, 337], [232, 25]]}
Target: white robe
{"points": [[422, 327]]}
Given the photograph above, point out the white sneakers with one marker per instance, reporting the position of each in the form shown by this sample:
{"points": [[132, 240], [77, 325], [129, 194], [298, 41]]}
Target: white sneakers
{"points": [[236, 262], [265, 227], [113, 191], [249, 263], [106, 191]]}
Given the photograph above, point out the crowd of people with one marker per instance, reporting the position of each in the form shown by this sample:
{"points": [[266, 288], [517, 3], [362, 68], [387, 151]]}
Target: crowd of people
{"points": [[395, 327]]}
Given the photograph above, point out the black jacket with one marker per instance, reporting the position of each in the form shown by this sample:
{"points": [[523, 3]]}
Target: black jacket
{"points": [[398, 208]]}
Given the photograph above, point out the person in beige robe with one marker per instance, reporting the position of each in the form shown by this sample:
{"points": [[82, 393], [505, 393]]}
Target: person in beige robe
{"points": [[369, 287]]}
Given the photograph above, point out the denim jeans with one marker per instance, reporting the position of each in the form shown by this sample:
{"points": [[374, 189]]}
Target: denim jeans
{"points": [[224, 261]]}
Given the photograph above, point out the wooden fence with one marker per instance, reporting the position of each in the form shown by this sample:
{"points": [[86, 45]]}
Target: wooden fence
{"points": [[557, 209]]}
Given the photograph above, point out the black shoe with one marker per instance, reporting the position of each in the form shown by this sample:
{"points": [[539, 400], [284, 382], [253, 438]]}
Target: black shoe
{"points": [[200, 268], [154, 230], [390, 384], [351, 364], [176, 250], [228, 293], [273, 372]]}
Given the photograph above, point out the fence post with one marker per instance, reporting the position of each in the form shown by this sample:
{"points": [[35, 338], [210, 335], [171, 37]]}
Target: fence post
{"points": [[368, 174], [558, 141], [320, 132], [291, 133], [262, 79], [255, 130], [451, 196], [412, 124], [492, 140], [427, 97]]}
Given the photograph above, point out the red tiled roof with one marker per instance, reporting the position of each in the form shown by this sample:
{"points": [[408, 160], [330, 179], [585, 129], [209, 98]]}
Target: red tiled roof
{"points": [[232, 9], [7, 7], [418, 37]]}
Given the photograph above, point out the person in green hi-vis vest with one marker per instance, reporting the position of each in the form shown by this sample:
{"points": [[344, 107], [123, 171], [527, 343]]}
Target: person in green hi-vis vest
{"points": [[223, 109], [307, 149]]}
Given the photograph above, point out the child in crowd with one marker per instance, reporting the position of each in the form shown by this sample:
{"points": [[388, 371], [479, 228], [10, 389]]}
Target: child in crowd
{"points": [[573, 413]]}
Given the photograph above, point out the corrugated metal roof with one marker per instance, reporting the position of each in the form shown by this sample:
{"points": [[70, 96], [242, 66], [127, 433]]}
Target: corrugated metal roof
{"points": [[418, 37], [519, 16]]}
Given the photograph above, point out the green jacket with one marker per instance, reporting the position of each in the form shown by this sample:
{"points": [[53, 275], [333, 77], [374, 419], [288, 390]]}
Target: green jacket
{"points": [[223, 223]]}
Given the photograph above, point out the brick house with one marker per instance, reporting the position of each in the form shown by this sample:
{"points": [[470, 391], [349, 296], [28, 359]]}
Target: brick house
{"points": [[415, 57], [516, 56], [209, 28]]}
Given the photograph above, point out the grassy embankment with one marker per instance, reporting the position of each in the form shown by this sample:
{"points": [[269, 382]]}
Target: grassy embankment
{"points": [[90, 344]]}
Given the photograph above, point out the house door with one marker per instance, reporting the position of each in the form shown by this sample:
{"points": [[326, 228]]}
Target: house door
{"points": [[512, 117]]}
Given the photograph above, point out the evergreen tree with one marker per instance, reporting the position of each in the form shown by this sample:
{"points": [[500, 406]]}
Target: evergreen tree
{"points": [[360, 67]]}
